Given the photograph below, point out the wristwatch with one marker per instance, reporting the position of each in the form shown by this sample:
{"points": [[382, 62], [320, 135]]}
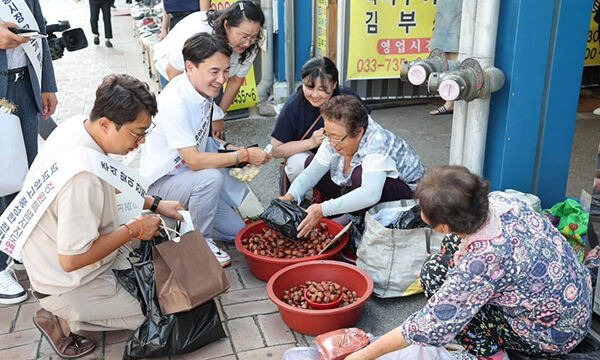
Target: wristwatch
{"points": [[154, 206]]}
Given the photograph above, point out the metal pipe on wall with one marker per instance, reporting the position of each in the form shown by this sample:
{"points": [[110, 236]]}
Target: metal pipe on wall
{"points": [[290, 47], [340, 41], [484, 51], [465, 49], [267, 59]]}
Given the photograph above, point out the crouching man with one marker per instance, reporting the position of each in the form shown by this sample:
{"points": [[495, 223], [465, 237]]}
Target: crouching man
{"points": [[180, 159], [72, 237]]}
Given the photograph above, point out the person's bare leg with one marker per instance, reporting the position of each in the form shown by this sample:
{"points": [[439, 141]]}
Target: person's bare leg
{"points": [[448, 105]]}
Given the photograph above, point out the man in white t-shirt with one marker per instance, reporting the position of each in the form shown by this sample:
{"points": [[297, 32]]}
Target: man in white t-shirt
{"points": [[179, 158], [78, 241]]}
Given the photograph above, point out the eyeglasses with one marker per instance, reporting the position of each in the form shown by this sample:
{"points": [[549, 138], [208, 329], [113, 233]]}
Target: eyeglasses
{"points": [[247, 39], [139, 137], [335, 141]]}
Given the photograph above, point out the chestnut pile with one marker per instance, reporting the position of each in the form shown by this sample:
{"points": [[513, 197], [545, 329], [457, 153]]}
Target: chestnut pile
{"points": [[272, 244], [322, 292]]}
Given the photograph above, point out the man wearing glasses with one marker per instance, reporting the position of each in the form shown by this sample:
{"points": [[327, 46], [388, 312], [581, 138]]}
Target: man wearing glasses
{"points": [[71, 252]]}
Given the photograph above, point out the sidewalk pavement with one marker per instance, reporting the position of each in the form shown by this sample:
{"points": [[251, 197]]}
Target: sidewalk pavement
{"points": [[252, 322]]}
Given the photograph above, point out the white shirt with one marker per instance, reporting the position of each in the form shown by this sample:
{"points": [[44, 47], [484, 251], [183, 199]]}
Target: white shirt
{"points": [[181, 121], [16, 58], [169, 49]]}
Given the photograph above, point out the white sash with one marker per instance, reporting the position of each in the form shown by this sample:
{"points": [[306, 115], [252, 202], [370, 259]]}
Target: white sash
{"points": [[17, 11], [22, 215], [233, 191], [177, 161]]}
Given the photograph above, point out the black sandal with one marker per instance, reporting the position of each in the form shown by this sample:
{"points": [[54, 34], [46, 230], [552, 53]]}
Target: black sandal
{"points": [[442, 110]]}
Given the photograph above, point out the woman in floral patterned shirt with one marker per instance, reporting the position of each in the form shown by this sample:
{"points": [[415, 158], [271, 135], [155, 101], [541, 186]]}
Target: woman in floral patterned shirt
{"points": [[509, 281]]}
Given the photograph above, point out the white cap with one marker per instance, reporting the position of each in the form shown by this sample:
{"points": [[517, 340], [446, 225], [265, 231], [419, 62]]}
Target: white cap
{"points": [[449, 90], [417, 75]]}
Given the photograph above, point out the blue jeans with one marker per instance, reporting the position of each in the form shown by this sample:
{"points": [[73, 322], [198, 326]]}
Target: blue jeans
{"points": [[20, 93]]}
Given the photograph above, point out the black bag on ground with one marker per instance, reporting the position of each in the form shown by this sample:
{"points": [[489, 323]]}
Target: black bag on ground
{"points": [[284, 217], [588, 349], [163, 335], [409, 219]]}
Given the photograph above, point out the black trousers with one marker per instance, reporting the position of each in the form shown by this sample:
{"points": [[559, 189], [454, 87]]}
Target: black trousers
{"points": [[95, 6]]}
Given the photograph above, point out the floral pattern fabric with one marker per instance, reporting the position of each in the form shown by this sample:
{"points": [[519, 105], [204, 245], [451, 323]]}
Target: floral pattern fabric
{"points": [[519, 264]]}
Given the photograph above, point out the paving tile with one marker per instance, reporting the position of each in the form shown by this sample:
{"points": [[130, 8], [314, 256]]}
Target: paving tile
{"points": [[250, 281], [46, 351], [114, 351], [216, 349], [300, 340], [249, 309], [241, 296], [273, 352], [244, 334], [25, 352], [19, 338], [238, 260], [220, 309], [25, 317], [234, 280], [7, 318], [115, 337], [275, 330]]}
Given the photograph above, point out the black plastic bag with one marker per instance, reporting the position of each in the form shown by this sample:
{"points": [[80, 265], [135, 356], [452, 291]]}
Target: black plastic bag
{"points": [[356, 232], [588, 349], [284, 217], [409, 219], [162, 335]]}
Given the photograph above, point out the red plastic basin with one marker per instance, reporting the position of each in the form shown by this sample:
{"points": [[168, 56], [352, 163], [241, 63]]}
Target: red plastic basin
{"points": [[315, 322], [264, 267]]}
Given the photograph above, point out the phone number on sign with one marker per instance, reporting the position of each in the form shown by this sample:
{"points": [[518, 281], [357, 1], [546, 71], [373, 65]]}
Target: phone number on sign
{"points": [[244, 96], [374, 65]]}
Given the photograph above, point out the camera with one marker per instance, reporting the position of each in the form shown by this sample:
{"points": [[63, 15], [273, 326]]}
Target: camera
{"points": [[72, 40]]}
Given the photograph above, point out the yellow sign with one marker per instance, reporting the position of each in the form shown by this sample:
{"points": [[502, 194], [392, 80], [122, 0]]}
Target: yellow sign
{"points": [[384, 33], [592, 50], [322, 27], [247, 96]]}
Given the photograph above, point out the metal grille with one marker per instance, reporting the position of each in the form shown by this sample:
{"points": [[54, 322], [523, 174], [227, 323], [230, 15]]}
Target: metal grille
{"points": [[388, 89]]}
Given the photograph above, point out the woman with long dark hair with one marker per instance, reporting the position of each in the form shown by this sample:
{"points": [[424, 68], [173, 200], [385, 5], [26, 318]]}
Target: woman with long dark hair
{"points": [[239, 25], [299, 128]]}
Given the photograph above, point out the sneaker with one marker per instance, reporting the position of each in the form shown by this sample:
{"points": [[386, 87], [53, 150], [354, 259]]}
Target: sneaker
{"points": [[96, 40], [108, 44], [11, 292], [221, 255]]}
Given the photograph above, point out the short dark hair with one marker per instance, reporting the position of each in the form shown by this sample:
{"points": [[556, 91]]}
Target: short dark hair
{"points": [[121, 98], [454, 196], [347, 110], [322, 68], [201, 46], [235, 14]]}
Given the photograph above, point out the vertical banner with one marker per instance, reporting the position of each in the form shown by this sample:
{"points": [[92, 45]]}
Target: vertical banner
{"points": [[247, 96], [321, 27], [384, 33], [592, 50]]}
